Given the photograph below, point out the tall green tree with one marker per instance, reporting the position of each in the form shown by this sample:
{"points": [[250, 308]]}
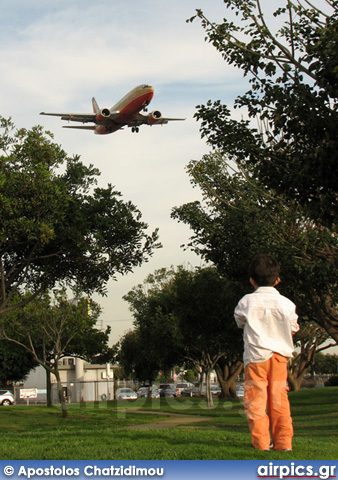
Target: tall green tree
{"points": [[290, 61], [281, 195], [56, 225]]}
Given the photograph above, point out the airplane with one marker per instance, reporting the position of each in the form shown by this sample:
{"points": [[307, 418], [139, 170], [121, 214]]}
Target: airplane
{"points": [[126, 112]]}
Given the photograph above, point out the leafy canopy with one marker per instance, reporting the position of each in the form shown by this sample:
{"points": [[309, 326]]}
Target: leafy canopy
{"points": [[56, 225], [291, 64], [182, 315]]}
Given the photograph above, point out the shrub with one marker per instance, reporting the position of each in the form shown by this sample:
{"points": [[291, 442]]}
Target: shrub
{"points": [[332, 381]]}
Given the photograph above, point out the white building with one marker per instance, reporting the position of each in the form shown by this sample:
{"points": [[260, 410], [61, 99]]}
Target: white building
{"points": [[81, 382]]}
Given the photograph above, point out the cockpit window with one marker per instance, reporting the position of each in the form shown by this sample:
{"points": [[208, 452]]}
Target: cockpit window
{"points": [[146, 86]]}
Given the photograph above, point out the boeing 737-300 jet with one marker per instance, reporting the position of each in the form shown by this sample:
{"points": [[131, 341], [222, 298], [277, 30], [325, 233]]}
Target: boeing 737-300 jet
{"points": [[126, 112]]}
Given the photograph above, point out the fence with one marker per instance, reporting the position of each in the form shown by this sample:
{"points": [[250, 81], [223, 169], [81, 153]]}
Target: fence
{"points": [[77, 392]]}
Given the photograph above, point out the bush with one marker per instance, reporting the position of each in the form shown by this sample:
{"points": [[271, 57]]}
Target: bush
{"points": [[332, 381]]}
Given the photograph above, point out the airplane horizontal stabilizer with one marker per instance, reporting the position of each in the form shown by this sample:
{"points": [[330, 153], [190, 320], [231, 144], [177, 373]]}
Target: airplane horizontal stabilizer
{"points": [[166, 120]]}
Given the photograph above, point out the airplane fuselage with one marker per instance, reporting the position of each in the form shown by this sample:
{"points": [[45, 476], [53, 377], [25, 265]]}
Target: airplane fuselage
{"points": [[129, 107]]}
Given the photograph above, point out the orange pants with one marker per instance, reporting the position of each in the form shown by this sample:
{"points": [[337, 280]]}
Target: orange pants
{"points": [[266, 390]]}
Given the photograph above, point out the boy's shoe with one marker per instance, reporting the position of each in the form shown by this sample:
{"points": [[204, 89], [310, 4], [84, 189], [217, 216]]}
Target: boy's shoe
{"points": [[270, 447]]}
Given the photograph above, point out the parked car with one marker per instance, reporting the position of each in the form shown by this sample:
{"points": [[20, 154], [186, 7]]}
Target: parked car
{"points": [[6, 398], [239, 391], [215, 390], [168, 390], [187, 392], [192, 392], [164, 385], [195, 391], [182, 386], [143, 392], [125, 394]]}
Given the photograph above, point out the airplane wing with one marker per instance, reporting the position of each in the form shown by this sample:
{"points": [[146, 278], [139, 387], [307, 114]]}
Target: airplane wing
{"points": [[154, 118], [74, 117]]}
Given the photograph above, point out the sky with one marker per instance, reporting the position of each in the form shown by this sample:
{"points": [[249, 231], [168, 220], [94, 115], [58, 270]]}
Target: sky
{"points": [[56, 55]]}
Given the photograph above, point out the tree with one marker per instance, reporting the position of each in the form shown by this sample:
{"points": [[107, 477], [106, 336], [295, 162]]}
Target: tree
{"points": [[55, 225], [157, 338], [239, 218], [15, 363], [187, 315], [51, 329], [310, 341], [204, 304], [134, 358], [326, 364], [227, 369], [294, 88], [293, 154]]}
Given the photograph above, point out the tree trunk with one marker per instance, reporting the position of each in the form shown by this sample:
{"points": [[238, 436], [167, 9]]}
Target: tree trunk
{"points": [[210, 400], [226, 375], [49, 389], [300, 365], [294, 382], [225, 386], [61, 395], [206, 364], [200, 385]]}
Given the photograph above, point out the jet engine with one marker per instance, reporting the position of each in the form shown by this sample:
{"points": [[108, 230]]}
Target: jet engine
{"points": [[103, 115], [154, 117]]}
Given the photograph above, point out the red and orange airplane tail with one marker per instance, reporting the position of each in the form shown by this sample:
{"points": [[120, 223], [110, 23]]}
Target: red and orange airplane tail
{"points": [[95, 106]]}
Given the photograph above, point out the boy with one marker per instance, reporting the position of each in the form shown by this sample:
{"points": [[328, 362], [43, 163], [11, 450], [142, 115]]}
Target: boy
{"points": [[269, 320]]}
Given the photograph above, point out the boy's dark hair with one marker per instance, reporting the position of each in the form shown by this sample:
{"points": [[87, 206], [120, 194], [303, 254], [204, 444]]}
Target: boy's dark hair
{"points": [[264, 270]]}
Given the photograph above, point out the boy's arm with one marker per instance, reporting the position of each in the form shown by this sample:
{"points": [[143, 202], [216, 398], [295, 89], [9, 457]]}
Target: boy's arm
{"points": [[240, 317], [294, 323]]}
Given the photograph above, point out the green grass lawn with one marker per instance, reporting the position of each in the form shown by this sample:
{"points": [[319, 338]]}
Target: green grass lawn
{"points": [[101, 431]]}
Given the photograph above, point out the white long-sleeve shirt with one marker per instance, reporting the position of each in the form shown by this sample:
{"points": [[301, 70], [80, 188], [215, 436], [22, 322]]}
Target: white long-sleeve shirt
{"points": [[269, 319]]}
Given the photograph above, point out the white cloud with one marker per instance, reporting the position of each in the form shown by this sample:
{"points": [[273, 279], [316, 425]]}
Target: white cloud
{"points": [[58, 56]]}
